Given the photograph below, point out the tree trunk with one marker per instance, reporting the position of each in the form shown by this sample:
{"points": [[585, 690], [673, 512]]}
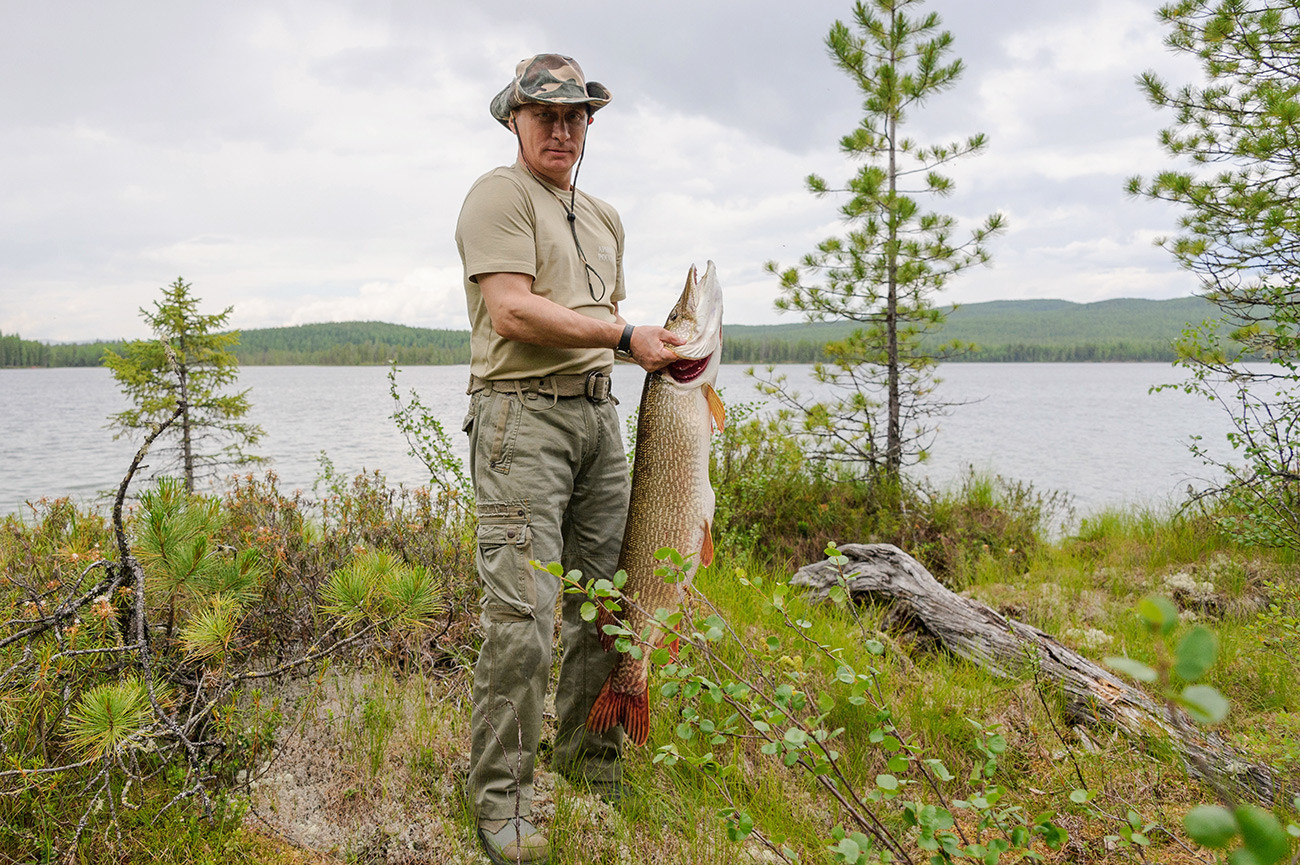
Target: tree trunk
{"points": [[894, 433], [187, 444], [1010, 649]]}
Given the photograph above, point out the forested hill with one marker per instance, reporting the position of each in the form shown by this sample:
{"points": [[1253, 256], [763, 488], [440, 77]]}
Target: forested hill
{"points": [[351, 343], [1003, 330], [1007, 330]]}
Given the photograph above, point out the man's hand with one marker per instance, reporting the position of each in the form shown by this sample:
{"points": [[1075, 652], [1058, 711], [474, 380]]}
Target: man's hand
{"points": [[650, 346]]}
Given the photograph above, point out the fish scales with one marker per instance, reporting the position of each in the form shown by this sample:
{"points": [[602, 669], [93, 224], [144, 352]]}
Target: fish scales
{"points": [[672, 498]]}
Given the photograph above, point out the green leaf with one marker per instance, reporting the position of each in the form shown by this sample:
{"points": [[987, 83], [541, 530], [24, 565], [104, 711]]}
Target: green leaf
{"points": [[588, 612], [1210, 826], [939, 769], [848, 849], [1078, 797], [739, 826], [1262, 834], [1195, 654], [1204, 704], [1160, 613], [886, 782], [1130, 667]]}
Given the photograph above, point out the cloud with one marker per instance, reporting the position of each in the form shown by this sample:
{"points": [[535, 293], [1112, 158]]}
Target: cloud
{"points": [[295, 159]]}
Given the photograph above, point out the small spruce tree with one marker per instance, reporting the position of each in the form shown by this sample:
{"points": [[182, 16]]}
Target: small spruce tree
{"points": [[188, 367]]}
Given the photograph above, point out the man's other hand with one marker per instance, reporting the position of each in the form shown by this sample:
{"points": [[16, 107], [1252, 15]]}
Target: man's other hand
{"points": [[650, 346]]}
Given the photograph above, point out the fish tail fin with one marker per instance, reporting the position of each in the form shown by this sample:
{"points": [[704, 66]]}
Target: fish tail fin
{"points": [[715, 407], [630, 710]]}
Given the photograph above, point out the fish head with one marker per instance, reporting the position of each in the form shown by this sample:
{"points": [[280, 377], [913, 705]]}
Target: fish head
{"points": [[697, 318]]}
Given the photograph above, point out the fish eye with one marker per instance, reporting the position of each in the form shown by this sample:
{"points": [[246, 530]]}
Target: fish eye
{"points": [[672, 316]]}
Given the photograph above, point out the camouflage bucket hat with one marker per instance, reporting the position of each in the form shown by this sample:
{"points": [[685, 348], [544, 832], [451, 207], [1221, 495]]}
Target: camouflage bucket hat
{"points": [[549, 78]]}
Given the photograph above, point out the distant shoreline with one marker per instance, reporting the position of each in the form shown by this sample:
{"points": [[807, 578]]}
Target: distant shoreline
{"points": [[1003, 331]]}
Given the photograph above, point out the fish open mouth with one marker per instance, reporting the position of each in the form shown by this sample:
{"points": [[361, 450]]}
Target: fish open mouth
{"points": [[688, 369]]}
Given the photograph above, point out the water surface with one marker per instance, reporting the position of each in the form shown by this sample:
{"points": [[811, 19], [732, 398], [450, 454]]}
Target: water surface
{"points": [[1092, 430]]}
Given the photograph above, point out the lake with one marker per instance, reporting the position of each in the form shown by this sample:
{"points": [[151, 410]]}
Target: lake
{"points": [[1092, 430]]}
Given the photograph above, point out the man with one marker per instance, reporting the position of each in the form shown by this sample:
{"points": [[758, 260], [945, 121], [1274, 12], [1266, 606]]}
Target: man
{"points": [[543, 280]]}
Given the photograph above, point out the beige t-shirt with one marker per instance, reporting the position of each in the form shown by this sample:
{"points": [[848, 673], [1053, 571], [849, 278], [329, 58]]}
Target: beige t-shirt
{"points": [[512, 222]]}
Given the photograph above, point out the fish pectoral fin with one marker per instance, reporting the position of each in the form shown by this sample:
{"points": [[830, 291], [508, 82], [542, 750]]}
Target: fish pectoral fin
{"points": [[605, 617], [706, 551], [715, 407]]}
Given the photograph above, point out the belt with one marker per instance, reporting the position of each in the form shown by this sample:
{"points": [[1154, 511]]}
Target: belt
{"points": [[593, 385]]}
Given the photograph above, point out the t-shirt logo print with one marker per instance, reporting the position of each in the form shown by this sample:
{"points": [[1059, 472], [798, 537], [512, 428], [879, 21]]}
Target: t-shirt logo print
{"points": [[605, 253]]}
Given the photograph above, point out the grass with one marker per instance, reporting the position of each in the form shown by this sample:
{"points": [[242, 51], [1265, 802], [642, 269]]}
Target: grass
{"points": [[368, 760]]}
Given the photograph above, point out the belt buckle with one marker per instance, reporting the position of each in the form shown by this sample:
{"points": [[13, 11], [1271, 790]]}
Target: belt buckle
{"points": [[596, 387]]}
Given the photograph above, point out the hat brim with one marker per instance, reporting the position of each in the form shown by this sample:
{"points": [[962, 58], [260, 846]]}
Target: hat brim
{"points": [[598, 96]]}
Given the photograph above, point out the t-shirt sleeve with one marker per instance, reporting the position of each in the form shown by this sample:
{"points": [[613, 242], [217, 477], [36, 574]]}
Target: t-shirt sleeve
{"points": [[620, 288], [495, 232]]}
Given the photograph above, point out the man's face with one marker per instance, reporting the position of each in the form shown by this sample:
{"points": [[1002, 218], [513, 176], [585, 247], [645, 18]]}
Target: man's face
{"points": [[550, 139]]}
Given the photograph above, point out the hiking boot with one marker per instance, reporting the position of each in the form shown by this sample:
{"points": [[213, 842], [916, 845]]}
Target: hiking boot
{"points": [[511, 842]]}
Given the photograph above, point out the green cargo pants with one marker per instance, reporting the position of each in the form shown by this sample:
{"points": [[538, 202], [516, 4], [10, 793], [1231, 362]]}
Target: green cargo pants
{"points": [[551, 478]]}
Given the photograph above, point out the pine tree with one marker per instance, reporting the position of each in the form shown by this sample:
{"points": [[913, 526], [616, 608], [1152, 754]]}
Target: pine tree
{"points": [[894, 257], [187, 367], [1240, 236]]}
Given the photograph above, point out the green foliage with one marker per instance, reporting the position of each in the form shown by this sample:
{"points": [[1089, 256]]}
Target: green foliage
{"points": [[108, 717], [377, 584], [427, 440], [183, 373], [780, 504], [1277, 628], [351, 343], [884, 272], [1176, 672], [18, 352], [242, 589], [1016, 331], [1238, 235], [1262, 838], [775, 500], [788, 693], [954, 532]]}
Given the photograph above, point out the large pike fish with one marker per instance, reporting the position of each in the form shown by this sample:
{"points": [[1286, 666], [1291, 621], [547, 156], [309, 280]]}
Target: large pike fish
{"points": [[672, 499]]}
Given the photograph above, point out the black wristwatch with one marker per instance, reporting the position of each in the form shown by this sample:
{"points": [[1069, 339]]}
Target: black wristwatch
{"points": [[625, 342]]}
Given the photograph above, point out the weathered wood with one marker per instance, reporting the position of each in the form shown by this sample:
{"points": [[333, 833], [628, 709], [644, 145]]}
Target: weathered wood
{"points": [[1010, 649]]}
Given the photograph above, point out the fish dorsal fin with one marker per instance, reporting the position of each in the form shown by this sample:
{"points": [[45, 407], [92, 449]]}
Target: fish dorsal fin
{"points": [[706, 551], [715, 407]]}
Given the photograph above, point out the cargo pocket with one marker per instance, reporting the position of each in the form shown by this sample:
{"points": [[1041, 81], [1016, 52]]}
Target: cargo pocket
{"points": [[505, 549], [468, 423], [504, 431]]}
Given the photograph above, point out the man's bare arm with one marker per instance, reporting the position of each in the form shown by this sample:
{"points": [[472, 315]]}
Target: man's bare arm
{"points": [[518, 314]]}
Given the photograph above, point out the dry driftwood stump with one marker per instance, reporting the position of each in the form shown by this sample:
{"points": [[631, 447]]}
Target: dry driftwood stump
{"points": [[1008, 648]]}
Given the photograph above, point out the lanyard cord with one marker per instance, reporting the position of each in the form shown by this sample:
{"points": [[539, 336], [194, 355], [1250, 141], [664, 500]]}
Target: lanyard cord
{"points": [[571, 214]]}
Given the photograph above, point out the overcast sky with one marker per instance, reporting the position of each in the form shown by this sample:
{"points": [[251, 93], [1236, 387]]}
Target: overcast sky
{"points": [[306, 161]]}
